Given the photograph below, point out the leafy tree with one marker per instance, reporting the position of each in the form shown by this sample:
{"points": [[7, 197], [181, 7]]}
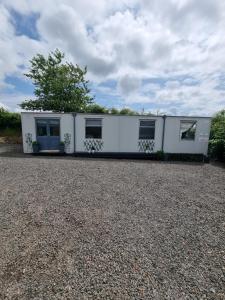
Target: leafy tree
{"points": [[9, 119], [218, 126], [114, 111], [59, 87], [128, 111], [95, 108], [217, 136]]}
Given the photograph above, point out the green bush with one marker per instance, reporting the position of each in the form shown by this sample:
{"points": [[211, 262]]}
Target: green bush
{"points": [[10, 123], [160, 155], [96, 109], [217, 137], [217, 149]]}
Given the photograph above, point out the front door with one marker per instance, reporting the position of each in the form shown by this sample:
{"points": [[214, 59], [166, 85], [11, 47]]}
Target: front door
{"points": [[48, 134]]}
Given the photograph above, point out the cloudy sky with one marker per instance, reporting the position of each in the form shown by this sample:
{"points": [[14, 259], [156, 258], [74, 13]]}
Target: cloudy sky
{"points": [[156, 55]]}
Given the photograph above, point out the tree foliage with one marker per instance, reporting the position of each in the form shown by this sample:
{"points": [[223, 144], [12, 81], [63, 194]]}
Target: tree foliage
{"points": [[217, 136], [9, 120], [97, 109], [59, 87], [128, 111]]}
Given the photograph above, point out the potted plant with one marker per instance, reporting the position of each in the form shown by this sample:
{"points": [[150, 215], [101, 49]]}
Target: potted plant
{"points": [[35, 147], [61, 147]]}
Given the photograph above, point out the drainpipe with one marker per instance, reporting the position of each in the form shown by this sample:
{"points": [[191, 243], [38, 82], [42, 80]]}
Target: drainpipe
{"points": [[163, 133], [74, 133]]}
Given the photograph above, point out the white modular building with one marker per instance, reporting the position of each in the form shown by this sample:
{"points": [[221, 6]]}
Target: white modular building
{"points": [[107, 133]]}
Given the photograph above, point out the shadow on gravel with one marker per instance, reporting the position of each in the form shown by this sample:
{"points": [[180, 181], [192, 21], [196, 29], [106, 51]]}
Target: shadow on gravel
{"points": [[218, 164]]}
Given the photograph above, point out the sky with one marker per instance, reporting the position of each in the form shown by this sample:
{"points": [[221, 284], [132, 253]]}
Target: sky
{"points": [[148, 55]]}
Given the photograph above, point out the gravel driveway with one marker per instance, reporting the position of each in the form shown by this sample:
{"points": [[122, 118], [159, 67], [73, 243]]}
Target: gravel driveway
{"points": [[111, 229]]}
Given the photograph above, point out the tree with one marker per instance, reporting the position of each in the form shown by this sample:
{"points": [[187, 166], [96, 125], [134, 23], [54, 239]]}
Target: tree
{"points": [[59, 87], [95, 108], [9, 120], [114, 111], [218, 126], [217, 136], [128, 111]]}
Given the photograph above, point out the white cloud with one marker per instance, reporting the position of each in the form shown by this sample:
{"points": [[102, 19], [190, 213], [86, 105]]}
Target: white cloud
{"points": [[129, 41], [128, 85]]}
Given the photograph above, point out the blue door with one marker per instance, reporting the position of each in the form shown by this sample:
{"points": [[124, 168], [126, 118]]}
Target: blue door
{"points": [[48, 134]]}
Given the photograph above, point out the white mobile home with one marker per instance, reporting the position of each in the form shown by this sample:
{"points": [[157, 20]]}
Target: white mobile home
{"points": [[106, 133]]}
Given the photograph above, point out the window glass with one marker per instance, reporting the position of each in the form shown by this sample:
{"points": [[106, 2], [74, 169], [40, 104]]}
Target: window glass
{"points": [[41, 129], [187, 130], [93, 129], [147, 130], [53, 122], [93, 122], [48, 127], [54, 130], [147, 123]]}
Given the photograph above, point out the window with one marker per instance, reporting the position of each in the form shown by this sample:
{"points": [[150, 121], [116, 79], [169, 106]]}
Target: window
{"points": [[93, 129], [48, 127], [41, 128], [54, 127], [147, 130], [187, 130]]}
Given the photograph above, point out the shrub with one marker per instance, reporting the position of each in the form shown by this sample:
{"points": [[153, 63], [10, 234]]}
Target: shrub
{"points": [[160, 155], [10, 123], [217, 137], [217, 149]]}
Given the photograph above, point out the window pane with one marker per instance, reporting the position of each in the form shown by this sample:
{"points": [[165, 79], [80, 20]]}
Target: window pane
{"points": [[93, 132], [53, 122], [54, 130], [146, 133], [93, 122], [187, 130], [147, 123], [41, 130], [147, 130]]}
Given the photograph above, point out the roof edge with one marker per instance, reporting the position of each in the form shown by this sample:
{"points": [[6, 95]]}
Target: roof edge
{"points": [[102, 114]]}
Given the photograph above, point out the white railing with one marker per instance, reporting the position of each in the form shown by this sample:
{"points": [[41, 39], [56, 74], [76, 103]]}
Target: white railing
{"points": [[93, 145], [146, 146]]}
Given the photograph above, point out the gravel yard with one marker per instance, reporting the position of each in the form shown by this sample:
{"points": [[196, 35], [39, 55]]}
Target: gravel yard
{"points": [[111, 229]]}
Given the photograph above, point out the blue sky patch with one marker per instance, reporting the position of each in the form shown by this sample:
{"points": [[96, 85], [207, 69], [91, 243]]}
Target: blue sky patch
{"points": [[20, 85], [25, 24]]}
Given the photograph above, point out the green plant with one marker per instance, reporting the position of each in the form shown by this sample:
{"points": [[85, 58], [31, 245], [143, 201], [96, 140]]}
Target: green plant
{"points": [[160, 155], [59, 86], [62, 143], [217, 137], [217, 149], [95, 108], [35, 143], [114, 111], [10, 123], [128, 111]]}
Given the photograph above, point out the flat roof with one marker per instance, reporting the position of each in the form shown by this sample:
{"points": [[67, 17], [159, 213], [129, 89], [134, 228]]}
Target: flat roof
{"points": [[120, 115]]}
